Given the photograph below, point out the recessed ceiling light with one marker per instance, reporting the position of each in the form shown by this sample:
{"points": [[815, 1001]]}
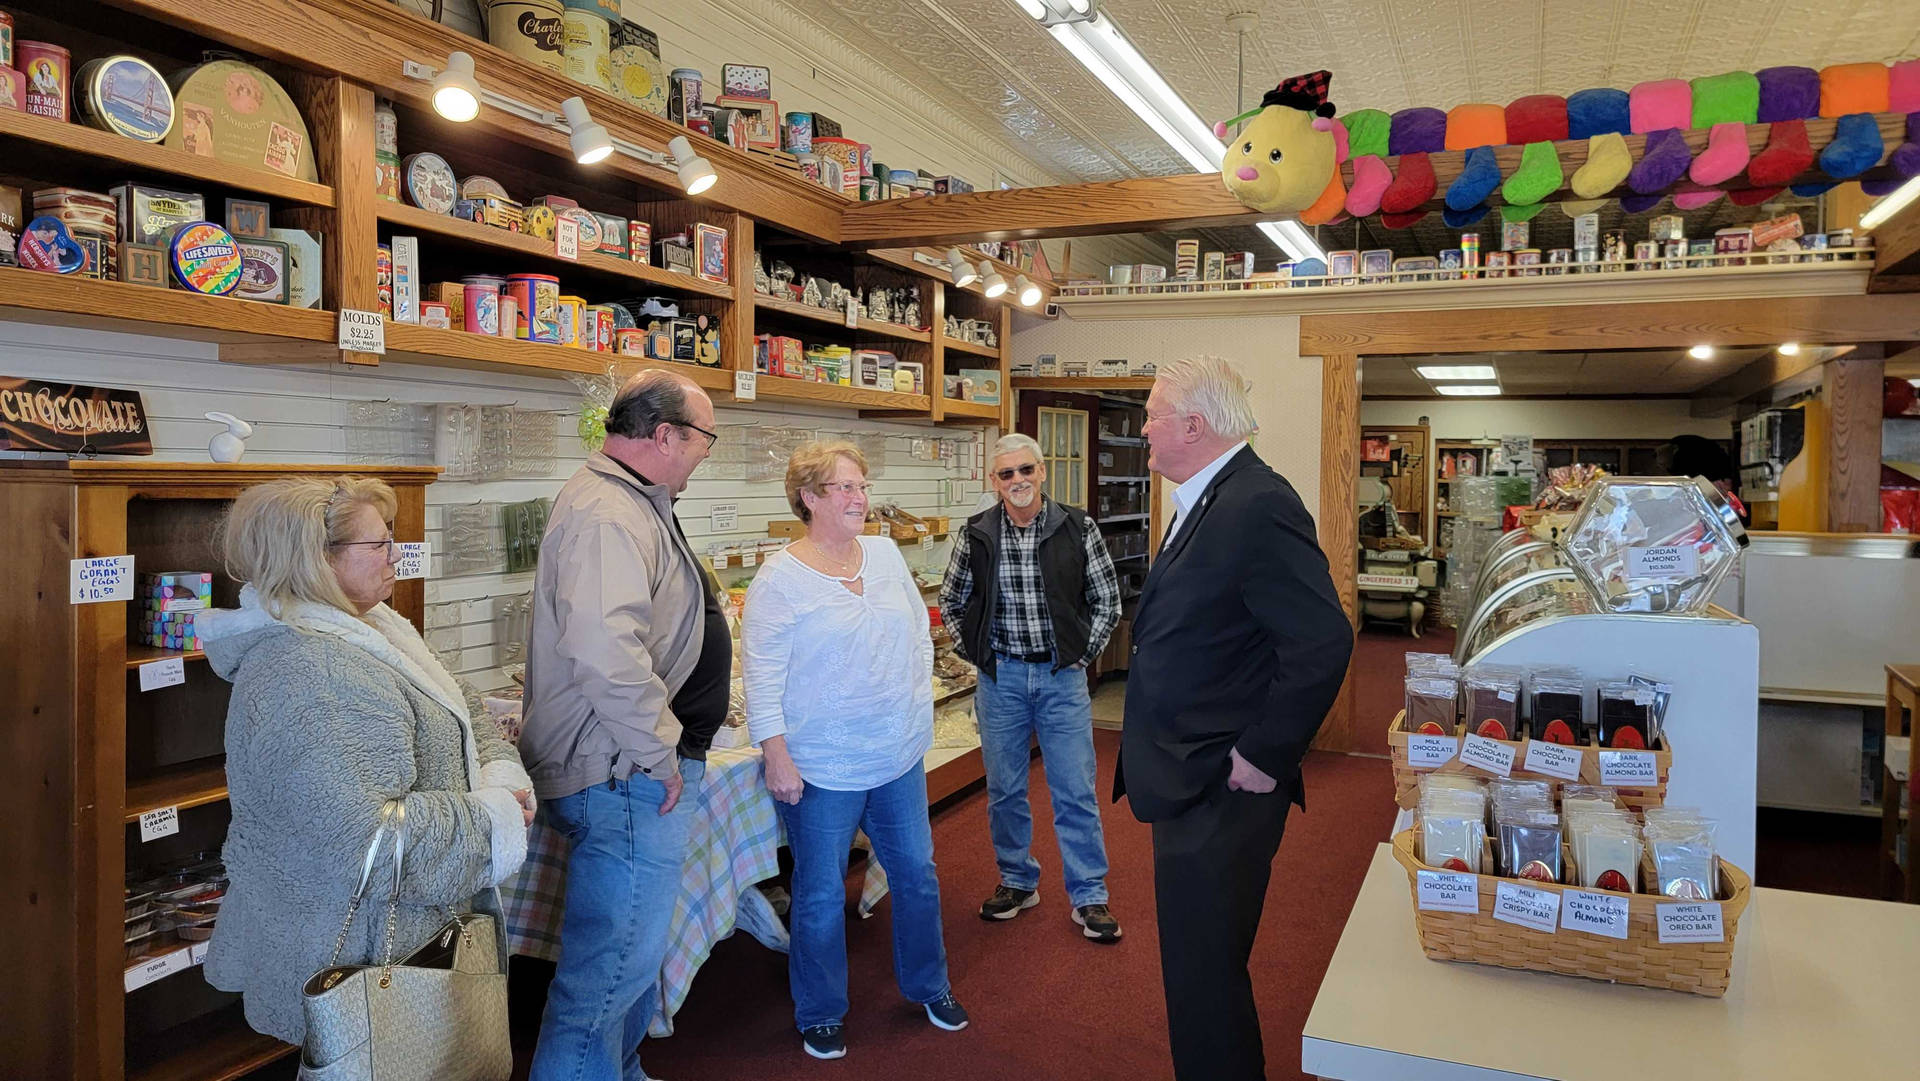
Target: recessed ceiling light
{"points": [[1468, 390], [1701, 352], [1437, 372], [1790, 349]]}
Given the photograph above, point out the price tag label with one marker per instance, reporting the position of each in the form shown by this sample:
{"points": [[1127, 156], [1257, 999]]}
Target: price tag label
{"points": [[1488, 754], [745, 386], [1690, 923], [197, 953], [168, 673], [158, 968], [853, 311], [1526, 906], [1629, 769], [719, 559], [162, 822], [102, 578], [724, 517], [1665, 562], [1595, 913], [750, 557], [1448, 891], [566, 238], [363, 332], [1426, 752], [1553, 760], [416, 559]]}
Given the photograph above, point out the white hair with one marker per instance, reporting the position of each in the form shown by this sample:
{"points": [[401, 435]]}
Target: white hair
{"points": [[1014, 443], [1211, 387]]}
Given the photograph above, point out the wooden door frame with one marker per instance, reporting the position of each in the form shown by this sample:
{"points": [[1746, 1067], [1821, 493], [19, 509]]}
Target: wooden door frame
{"points": [[1341, 340]]}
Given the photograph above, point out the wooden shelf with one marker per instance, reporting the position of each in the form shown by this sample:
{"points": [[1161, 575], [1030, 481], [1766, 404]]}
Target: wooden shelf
{"points": [[955, 345], [473, 234], [218, 1047], [869, 327], [459, 349], [1082, 383], [183, 787], [955, 407], [32, 296], [800, 390], [76, 139], [1125, 480], [139, 655]]}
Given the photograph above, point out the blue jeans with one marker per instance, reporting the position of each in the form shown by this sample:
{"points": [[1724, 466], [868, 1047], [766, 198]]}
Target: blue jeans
{"points": [[1021, 701], [820, 831], [623, 876]]}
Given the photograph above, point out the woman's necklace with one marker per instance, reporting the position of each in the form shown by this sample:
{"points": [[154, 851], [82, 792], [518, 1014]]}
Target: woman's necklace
{"points": [[845, 566]]}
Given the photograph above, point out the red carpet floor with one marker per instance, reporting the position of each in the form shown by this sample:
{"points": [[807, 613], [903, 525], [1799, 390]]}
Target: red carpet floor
{"points": [[1379, 671], [1046, 1003]]}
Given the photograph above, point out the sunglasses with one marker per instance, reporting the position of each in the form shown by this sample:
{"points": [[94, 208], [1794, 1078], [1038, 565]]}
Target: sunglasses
{"points": [[1022, 470]]}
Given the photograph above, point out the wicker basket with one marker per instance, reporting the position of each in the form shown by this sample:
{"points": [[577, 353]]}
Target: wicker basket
{"points": [[1406, 779], [1700, 968]]}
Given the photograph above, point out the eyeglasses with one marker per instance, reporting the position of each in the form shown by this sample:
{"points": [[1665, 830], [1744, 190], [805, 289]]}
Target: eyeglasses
{"points": [[388, 544], [712, 437], [846, 488], [1023, 470]]}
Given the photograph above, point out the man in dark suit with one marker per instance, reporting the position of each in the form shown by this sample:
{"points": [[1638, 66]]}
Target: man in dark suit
{"points": [[1239, 648]]}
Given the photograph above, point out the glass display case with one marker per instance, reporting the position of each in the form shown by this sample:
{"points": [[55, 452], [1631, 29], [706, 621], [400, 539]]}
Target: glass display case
{"points": [[1537, 595], [1516, 560]]}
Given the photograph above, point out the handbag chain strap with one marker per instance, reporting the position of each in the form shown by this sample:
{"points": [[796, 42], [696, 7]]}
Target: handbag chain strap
{"points": [[393, 817]]}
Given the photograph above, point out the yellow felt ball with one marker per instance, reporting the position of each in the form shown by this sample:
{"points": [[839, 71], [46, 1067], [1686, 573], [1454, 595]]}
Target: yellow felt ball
{"points": [[1280, 162], [1608, 163]]}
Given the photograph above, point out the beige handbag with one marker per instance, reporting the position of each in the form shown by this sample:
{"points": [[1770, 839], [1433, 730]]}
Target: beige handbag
{"points": [[439, 1014]]}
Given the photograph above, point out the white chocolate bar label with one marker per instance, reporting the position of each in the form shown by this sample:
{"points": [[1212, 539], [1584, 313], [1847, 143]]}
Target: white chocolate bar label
{"points": [[1696, 922], [1449, 891]]}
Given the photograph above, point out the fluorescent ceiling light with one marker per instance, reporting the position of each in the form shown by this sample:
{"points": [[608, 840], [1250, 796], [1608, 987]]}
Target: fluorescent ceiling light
{"points": [[456, 94], [1480, 372], [1701, 352], [1891, 205], [1468, 390], [1293, 238], [1034, 9]]}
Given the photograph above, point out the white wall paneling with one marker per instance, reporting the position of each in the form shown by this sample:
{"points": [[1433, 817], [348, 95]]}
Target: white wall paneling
{"points": [[299, 413]]}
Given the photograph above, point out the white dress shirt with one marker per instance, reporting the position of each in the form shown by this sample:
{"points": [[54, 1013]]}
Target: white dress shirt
{"points": [[1187, 495]]}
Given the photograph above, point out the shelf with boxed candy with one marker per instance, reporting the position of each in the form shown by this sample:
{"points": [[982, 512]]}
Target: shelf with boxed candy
{"points": [[176, 591]]}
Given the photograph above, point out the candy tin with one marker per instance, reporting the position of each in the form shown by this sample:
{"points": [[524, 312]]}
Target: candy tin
{"points": [[304, 262], [540, 220], [9, 223], [537, 302], [205, 259], [124, 95], [249, 218], [589, 226], [428, 182], [48, 245], [46, 68], [6, 40], [570, 315], [386, 128], [480, 295], [149, 215], [233, 111], [639, 241], [435, 315], [13, 90], [386, 176], [637, 72], [613, 235], [483, 187], [263, 271]]}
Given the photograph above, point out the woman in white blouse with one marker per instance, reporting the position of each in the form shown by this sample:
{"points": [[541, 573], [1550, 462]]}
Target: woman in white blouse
{"points": [[839, 678]]}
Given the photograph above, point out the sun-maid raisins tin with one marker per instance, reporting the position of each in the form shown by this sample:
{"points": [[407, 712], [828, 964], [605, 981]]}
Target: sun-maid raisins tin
{"points": [[47, 68]]}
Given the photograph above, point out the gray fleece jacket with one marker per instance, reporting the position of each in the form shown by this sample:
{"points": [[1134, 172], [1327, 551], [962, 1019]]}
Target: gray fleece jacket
{"points": [[330, 718]]}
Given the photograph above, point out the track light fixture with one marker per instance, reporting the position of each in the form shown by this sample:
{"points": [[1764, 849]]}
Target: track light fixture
{"points": [[991, 282], [961, 270], [456, 93], [591, 143], [1028, 292], [696, 172]]}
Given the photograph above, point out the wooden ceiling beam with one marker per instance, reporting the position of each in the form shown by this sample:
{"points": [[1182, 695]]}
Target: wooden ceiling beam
{"points": [[1199, 200], [1896, 255]]}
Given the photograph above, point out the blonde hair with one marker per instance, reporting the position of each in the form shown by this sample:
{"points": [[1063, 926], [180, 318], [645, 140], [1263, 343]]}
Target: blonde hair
{"points": [[278, 533], [810, 467], [1212, 388]]}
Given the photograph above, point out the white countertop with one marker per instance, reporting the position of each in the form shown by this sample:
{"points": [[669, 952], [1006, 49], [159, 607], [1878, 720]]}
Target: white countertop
{"points": [[1822, 987]]}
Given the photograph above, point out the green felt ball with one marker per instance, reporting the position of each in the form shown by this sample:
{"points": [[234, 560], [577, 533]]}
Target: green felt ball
{"points": [[1730, 98], [1367, 132]]}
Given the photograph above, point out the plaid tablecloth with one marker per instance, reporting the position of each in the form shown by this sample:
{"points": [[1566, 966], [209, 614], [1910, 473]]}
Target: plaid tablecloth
{"points": [[733, 844]]}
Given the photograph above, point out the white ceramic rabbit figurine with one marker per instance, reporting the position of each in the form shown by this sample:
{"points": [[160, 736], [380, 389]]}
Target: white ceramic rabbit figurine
{"points": [[229, 445]]}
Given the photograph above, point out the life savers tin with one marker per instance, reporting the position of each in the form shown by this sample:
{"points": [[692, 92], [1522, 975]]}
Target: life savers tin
{"points": [[205, 259], [124, 95]]}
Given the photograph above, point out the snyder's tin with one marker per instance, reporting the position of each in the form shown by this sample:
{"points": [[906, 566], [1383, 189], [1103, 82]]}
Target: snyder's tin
{"points": [[47, 68], [532, 30], [683, 94], [480, 301], [124, 95], [150, 215], [536, 299], [570, 314]]}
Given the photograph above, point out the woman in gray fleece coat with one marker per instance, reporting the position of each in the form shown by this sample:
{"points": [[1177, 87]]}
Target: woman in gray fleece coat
{"points": [[338, 707]]}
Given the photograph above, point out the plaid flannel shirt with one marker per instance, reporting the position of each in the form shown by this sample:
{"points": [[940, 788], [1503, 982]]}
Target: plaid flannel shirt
{"points": [[1020, 623]]}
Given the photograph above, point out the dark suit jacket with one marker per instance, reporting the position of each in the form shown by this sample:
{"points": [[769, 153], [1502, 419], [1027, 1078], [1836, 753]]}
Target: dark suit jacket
{"points": [[1239, 641]]}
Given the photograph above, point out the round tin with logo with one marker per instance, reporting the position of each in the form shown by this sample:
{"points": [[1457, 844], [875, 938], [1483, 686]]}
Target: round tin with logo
{"points": [[589, 226], [536, 298], [47, 68], [481, 294], [428, 182], [124, 95], [532, 30], [205, 259]]}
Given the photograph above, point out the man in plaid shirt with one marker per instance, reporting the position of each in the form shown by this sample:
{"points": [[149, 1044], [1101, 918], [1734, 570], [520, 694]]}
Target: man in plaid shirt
{"points": [[1030, 598]]}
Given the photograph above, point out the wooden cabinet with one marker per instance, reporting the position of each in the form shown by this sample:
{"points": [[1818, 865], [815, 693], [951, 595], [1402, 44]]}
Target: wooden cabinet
{"points": [[86, 752]]}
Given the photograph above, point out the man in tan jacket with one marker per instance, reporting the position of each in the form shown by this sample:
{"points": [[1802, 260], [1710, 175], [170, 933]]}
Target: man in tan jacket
{"points": [[628, 668]]}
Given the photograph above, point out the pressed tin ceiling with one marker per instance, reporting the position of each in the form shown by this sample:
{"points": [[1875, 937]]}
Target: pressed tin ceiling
{"points": [[997, 67]]}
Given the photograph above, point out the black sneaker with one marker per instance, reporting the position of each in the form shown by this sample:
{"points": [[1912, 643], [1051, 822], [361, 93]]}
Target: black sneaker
{"points": [[1097, 923], [824, 1041], [1007, 902], [945, 1012]]}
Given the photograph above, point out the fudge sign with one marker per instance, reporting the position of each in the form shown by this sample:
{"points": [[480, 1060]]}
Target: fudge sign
{"points": [[37, 415]]}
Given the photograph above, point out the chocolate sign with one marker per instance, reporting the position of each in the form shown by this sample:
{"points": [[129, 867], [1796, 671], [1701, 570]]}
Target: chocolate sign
{"points": [[69, 417]]}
